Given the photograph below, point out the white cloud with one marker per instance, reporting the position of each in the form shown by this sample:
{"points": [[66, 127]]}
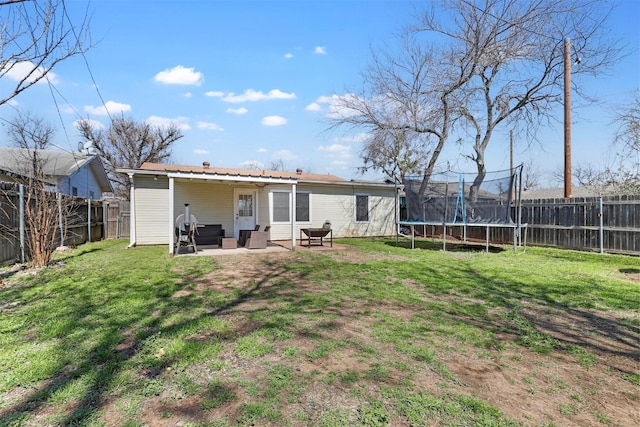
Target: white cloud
{"points": [[163, 122], [359, 137], [180, 75], [320, 50], [285, 155], [252, 164], [12, 102], [20, 70], [339, 163], [111, 107], [188, 95], [258, 95], [336, 150], [288, 55], [336, 105], [200, 151], [93, 123], [209, 126], [214, 94], [273, 121], [239, 111], [314, 106], [262, 150], [67, 109]]}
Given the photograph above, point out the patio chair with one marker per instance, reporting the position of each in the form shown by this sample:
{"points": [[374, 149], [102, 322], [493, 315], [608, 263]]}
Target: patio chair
{"points": [[257, 240]]}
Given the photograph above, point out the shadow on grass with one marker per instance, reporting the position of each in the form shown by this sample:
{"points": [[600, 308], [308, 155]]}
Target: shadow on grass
{"points": [[451, 246], [120, 339], [114, 339]]}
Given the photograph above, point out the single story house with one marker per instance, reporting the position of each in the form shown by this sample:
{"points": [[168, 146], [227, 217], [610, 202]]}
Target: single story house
{"points": [[240, 199], [74, 173]]}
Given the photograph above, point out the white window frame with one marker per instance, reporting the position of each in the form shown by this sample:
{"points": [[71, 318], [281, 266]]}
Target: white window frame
{"points": [[271, 213], [355, 207], [310, 205]]}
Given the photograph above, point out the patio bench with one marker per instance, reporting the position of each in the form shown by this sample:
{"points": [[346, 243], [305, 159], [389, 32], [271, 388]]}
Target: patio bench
{"points": [[209, 234]]}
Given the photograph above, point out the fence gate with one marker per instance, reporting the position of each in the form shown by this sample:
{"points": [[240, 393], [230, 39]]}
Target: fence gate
{"points": [[118, 219]]}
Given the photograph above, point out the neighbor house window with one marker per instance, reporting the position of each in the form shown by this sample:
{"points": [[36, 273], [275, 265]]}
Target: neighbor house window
{"points": [[362, 207], [281, 205], [74, 191], [92, 195]]}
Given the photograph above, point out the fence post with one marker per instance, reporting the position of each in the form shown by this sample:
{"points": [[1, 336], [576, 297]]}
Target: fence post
{"points": [[89, 220], [601, 231], [21, 210], [60, 220]]}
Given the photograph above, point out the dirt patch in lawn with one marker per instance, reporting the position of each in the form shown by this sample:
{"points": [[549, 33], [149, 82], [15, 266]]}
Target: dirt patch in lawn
{"points": [[334, 362], [591, 386]]}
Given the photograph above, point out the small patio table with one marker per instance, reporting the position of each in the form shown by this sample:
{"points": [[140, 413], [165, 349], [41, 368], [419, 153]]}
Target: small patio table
{"points": [[316, 235]]}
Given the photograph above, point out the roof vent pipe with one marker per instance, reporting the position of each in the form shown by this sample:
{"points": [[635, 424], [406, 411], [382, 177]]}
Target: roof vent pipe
{"points": [[299, 171], [206, 165]]}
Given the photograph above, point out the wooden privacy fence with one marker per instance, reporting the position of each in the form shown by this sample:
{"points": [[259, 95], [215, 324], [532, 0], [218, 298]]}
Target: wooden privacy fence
{"points": [[82, 220], [605, 224]]}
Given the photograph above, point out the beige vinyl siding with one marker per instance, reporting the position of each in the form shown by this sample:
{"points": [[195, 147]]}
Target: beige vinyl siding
{"points": [[336, 203], [151, 210], [210, 202]]}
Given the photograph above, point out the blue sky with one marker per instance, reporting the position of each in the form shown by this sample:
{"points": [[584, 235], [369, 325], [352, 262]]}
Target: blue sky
{"points": [[249, 82]]}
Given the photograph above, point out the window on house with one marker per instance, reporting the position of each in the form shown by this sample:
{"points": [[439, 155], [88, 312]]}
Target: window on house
{"points": [[92, 195], [302, 207], [74, 191], [281, 207], [362, 207]]}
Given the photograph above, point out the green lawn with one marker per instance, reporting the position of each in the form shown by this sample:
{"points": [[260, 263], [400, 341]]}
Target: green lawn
{"points": [[373, 335]]}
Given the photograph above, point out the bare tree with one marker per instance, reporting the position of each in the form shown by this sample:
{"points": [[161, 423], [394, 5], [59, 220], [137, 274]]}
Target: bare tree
{"points": [[407, 107], [127, 144], [35, 36], [29, 131], [46, 213], [515, 50], [277, 165], [530, 176], [627, 117]]}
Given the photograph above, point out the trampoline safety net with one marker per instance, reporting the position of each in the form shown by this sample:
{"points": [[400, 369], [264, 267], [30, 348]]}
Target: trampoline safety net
{"points": [[460, 198]]}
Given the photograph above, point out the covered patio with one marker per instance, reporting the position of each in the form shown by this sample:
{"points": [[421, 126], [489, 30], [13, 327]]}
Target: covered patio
{"points": [[272, 247]]}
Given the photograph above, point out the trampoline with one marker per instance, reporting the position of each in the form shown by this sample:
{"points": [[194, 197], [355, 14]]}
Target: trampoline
{"points": [[454, 199]]}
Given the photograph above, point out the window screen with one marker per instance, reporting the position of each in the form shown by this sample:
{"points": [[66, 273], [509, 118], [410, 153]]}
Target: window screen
{"points": [[280, 207], [302, 207], [362, 208]]}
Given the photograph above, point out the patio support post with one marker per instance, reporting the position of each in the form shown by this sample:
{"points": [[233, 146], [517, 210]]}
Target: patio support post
{"points": [[171, 215], [132, 212], [293, 216]]}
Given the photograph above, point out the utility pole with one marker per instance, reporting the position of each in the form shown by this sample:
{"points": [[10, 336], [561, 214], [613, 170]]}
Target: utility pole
{"points": [[567, 118]]}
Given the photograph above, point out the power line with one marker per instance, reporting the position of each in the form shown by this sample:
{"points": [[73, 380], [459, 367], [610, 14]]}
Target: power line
{"points": [[86, 62]]}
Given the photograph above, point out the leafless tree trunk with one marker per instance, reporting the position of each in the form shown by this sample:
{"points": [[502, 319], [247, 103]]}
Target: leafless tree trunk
{"points": [[127, 144], [407, 108], [35, 36], [43, 208], [516, 51]]}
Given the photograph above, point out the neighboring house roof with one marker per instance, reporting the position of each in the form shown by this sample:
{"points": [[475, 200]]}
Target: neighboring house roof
{"points": [[56, 164], [558, 193], [206, 171]]}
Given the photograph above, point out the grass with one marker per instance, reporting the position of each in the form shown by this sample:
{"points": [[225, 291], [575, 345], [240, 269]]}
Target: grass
{"points": [[367, 336]]}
